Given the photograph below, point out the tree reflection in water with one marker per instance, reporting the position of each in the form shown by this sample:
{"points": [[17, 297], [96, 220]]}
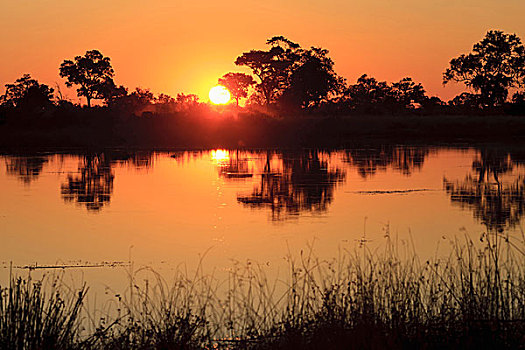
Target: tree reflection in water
{"points": [[497, 203], [304, 183], [27, 169], [140, 160], [401, 158], [92, 185], [236, 167]]}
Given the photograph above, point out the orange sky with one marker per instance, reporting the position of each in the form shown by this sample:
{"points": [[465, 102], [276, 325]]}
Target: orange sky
{"points": [[185, 46]]}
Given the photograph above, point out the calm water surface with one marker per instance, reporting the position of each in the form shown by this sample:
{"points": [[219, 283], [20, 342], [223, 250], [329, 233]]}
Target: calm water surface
{"points": [[167, 209]]}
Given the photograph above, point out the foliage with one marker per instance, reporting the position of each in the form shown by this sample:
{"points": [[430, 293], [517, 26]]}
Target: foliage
{"points": [[292, 80], [467, 101], [312, 80], [496, 64], [134, 101], [94, 75], [187, 99], [519, 97], [271, 67], [369, 95], [238, 84], [291, 75], [27, 93], [407, 93]]}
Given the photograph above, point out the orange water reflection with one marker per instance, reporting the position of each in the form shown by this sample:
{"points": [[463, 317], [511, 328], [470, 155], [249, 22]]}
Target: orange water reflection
{"points": [[491, 191], [171, 207], [220, 156], [303, 182]]}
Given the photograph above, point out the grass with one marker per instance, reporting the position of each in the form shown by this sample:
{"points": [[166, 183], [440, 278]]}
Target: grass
{"points": [[30, 319], [362, 299]]}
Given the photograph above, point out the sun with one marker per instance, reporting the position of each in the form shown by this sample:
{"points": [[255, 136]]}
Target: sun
{"points": [[219, 95]]}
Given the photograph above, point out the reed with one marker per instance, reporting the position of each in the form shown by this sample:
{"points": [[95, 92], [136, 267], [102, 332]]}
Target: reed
{"points": [[361, 299], [32, 319]]}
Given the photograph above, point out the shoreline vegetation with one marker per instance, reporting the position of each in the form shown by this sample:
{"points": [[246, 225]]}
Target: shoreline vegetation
{"points": [[362, 299], [292, 98], [99, 129]]}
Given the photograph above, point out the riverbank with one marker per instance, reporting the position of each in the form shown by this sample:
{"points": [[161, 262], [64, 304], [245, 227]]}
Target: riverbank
{"points": [[248, 130]]}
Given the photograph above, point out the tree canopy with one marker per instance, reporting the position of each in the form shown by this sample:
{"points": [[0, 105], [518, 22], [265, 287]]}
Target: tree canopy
{"points": [[496, 64], [292, 81], [93, 74], [312, 80], [271, 67], [238, 84], [292, 75], [369, 95], [28, 93]]}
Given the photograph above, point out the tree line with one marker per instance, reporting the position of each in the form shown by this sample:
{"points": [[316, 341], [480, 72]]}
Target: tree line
{"points": [[289, 78]]}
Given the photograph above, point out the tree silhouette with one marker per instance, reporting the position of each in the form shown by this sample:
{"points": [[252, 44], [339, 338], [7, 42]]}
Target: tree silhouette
{"points": [[186, 102], [312, 80], [466, 102], [238, 84], [518, 103], [272, 67], [134, 101], [407, 93], [496, 64], [293, 76], [28, 93], [433, 105], [518, 97], [94, 75], [369, 95]]}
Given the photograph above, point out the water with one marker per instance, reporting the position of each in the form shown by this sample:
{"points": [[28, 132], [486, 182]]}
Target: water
{"points": [[94, 213]]}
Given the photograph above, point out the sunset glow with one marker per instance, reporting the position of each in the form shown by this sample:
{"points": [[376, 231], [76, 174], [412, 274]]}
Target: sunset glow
{"points": [[234, 174], [388, 40]]}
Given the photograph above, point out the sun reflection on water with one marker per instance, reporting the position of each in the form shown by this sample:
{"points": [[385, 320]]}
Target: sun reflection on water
{"points": [[220, 156]]}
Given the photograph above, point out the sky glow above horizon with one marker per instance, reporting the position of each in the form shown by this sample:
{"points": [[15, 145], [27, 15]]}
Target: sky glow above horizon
{"points": [[184, 47]]}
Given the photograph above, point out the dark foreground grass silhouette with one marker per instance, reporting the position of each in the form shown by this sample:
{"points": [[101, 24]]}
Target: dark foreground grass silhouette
{"points": [[362, 299]]}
